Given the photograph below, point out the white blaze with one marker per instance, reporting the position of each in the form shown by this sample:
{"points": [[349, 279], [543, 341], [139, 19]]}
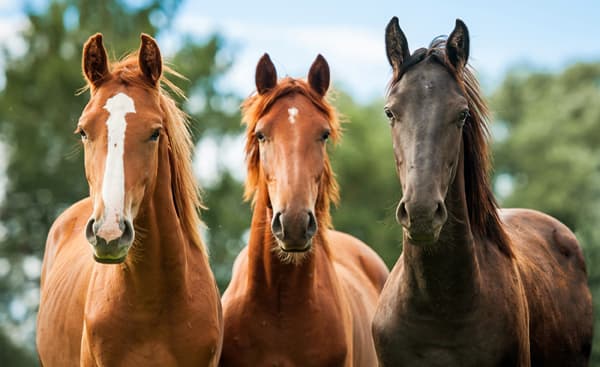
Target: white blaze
{"points": [[293, 112], [113, 184]]}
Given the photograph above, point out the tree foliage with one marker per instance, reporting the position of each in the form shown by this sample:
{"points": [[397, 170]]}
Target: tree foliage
{"points": [[369, 187]]}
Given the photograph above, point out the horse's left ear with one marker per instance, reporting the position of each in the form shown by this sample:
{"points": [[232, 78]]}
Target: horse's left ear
{"points": [[457, 46], [396, 45], [318, 75], [150, 59]]}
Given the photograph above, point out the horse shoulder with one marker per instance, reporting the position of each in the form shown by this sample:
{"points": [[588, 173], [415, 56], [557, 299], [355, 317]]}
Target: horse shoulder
{"points": [[353, 254], [64, 229], [362, 275], [65, 276]]}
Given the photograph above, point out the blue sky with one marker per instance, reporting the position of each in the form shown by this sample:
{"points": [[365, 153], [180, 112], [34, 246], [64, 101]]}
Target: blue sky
{"points": [[546, 35]]}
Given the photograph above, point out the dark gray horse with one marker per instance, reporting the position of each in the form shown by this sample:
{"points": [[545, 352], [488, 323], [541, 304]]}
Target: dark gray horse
{"points": [[474, 286]]}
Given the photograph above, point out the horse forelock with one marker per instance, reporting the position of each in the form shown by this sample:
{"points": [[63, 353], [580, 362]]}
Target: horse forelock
{"points": [[481, 203], [254, 108]]}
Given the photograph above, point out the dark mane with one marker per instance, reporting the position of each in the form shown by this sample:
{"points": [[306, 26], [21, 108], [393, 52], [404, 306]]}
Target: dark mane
{"points": [[256, 106], [481, 203]]}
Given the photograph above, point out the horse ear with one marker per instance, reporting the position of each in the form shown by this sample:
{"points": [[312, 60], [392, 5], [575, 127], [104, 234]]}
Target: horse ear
{"points": [[266, 75], [94, 60], [150, 60], [396, 45], [318, 75], [457, 46]]}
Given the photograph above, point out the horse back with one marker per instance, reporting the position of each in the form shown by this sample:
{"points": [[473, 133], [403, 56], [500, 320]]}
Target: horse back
{"points": [[66, 270], [554, 278]]}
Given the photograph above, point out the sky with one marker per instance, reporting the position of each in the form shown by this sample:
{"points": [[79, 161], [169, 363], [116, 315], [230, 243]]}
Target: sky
{"points": [[546, 35]]}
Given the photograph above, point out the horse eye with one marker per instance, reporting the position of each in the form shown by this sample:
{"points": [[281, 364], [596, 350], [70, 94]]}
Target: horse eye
{"points": [[325, 135], [260, 136], [81, 133], [463, 116], [388, 113], [155, 135]]}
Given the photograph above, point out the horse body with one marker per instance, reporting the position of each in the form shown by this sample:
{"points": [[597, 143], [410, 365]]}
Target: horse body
{"points": [[159, 305], [554, 279], [306, 301], [474, 286]]}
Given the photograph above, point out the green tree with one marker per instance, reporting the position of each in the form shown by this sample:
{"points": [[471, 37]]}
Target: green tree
{"points": [[40, 109], [550, 156], [369, 187]]}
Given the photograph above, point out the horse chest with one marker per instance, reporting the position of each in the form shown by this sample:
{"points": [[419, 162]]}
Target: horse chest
{"points": [[158, 341], [478, 339], [408, 343], [259, 336]]}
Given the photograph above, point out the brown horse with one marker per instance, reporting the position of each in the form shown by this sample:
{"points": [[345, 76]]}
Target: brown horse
{"points": [[474, 286], [301, 294], [157, 305]]}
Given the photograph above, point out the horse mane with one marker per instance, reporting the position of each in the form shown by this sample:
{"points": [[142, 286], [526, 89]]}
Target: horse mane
{"points": [[185, 189], [481, 204], [256, 106]]}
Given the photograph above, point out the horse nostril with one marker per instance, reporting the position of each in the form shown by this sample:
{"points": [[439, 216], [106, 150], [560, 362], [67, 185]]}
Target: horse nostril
{"points": [[440, 215], [402, 214], [90, 231], [128, 233], [277, 226], [312, 226]]}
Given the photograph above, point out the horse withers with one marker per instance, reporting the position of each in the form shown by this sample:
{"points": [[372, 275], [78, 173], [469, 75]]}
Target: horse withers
{"points": [[125, 278], [475, 285], [301, 294]]}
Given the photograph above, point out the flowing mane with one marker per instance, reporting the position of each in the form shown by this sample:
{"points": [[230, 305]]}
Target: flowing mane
{"points": [[481, 203], [186, 192], [256, 106]]}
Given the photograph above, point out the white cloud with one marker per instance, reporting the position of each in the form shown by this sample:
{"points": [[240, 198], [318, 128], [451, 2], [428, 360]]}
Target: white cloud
{"points": [[10, 28]]}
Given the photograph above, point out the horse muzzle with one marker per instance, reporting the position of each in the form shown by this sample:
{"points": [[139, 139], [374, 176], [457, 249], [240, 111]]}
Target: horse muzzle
{"points": [[110, 245], [422, 222], [294, 232]]}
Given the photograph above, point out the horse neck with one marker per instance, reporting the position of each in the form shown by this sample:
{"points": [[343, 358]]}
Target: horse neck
{"points": [[267, 274], [157, 263], [448, 273]]}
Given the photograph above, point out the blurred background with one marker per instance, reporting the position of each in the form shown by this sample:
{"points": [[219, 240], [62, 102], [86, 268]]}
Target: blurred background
{"points": [[539, 66]]}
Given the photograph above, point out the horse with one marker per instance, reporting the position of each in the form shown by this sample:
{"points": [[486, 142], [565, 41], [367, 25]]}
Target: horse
{"points": [[125, 277], [301, 294], [475, 285]]}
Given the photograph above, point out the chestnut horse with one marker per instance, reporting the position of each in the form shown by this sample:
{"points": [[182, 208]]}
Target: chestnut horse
{"points": [[474, 286], [301, 293], [157, 304]]}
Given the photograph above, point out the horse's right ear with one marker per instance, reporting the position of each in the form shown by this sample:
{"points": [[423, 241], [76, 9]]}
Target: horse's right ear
{"points": [[94, 61], [266, 75], [396, 45]]}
